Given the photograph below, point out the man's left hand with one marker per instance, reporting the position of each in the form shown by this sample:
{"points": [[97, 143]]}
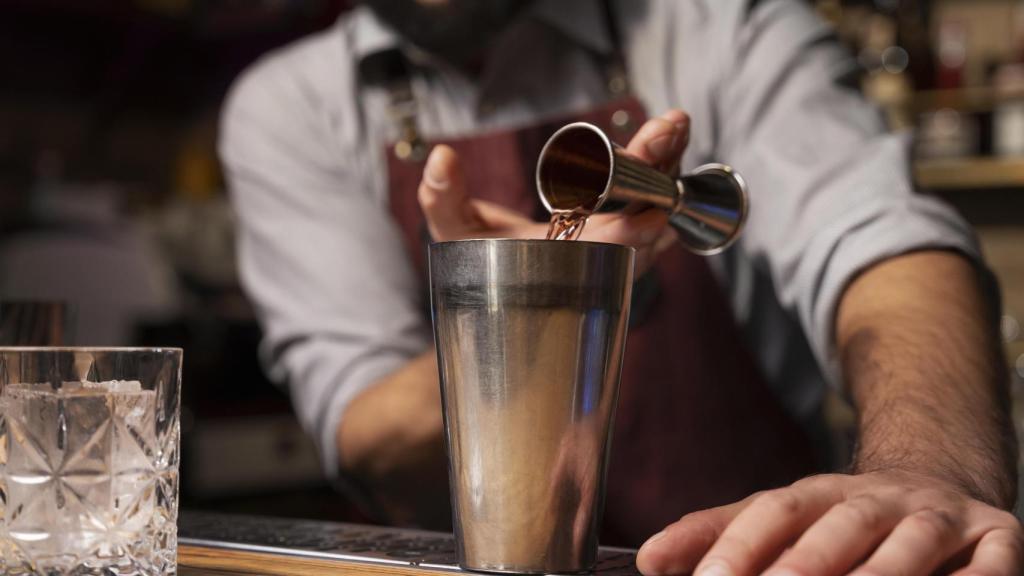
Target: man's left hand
{"points": [[873, 524]]}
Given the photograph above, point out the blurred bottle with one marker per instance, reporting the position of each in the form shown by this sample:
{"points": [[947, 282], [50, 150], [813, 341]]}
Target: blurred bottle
{"points": [[952, 54], [831, 11], [36, 323], [1008, 115], [885, 62], [912, 17], [196, 228], [15, 183], [1008, 95], [946, 133], [1018, 33]]}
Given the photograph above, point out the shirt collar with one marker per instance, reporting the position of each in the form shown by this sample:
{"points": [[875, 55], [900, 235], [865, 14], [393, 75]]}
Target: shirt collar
{"points": [[370, 35], [583, 21]]}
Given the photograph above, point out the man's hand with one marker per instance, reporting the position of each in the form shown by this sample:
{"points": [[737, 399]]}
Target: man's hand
{"points": [[453, 215], [878, 524]]}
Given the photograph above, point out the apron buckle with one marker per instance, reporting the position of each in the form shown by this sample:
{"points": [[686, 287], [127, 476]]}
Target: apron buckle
{"points": [[410, 150]]}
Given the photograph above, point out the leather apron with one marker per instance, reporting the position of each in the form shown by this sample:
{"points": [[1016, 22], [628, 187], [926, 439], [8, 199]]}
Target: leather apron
{"points": [[696, 424]]}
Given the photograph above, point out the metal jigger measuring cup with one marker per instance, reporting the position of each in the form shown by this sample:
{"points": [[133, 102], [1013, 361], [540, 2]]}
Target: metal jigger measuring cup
{"points": [[582, 170]]}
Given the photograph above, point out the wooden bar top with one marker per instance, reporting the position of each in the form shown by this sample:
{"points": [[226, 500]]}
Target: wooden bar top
{"points": [[212, 544], [200, 561]]}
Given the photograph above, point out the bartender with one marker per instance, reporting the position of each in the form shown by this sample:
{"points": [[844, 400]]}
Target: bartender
{"points": [[418, 120]]}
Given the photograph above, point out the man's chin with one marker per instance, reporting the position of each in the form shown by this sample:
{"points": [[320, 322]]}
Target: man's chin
{"points": [[456, 31]]}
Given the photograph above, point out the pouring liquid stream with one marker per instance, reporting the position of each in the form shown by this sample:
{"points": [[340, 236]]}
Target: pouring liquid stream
{"points": [[567, 225]]}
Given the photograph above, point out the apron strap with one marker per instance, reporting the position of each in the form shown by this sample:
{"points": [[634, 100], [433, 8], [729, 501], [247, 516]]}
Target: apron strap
{"points": [[615, 65], [391, 69]]}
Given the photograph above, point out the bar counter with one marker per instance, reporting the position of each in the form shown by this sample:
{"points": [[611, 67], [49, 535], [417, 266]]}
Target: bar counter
{"points": [[200, 561], [210, 544]]}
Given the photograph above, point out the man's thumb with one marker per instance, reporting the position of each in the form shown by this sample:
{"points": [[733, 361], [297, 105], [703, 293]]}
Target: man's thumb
{"points": [[442, 196]]}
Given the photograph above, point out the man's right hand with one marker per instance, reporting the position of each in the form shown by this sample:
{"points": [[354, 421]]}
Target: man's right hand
{"points": [[453, 215]]}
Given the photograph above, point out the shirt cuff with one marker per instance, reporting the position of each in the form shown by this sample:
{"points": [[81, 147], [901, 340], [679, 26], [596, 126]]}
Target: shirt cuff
{"points": [[882, 230], [361, 376]]}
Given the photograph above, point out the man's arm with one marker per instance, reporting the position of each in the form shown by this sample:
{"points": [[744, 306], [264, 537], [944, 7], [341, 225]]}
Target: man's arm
{"points": [[922, 360], [391, 439], [935, 460], [870, 269], [320, 258]]}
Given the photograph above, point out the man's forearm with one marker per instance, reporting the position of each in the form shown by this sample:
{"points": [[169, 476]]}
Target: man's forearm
{"points": [[391, 439], [922, 360], [934, 474]]}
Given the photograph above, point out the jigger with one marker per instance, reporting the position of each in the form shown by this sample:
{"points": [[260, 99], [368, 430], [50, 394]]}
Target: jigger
{"points": [[581, 170]]}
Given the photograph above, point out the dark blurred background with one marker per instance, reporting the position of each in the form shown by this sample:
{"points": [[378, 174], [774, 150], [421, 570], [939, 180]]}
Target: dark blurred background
{"points": [[111, 198]]}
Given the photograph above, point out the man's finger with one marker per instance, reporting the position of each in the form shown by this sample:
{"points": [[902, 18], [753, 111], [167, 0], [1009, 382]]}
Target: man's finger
{"points": [[642, 230], [760, 533], [999, 553], [841, 538], [917, 546], [660, 141], [637, 230], [442, 196], [508, 222], [669, 237], [678, 548], [681, 121]]}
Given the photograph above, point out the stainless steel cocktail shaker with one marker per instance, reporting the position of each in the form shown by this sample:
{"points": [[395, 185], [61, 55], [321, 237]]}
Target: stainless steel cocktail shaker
{"points": [[530, 336]]}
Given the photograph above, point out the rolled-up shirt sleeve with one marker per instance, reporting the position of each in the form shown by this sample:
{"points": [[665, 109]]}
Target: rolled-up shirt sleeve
{"points": [[831, 188], [319, 257]]}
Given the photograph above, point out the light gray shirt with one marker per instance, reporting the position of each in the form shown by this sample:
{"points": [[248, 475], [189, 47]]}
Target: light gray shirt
{"points": [[768, 91]]}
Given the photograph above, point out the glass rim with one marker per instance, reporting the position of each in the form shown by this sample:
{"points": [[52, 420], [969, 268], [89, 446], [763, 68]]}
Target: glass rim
{"points": [[155, 349]]}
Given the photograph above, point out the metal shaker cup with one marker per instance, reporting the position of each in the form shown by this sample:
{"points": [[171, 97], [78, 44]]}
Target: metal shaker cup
{"points": [[530, 336]]}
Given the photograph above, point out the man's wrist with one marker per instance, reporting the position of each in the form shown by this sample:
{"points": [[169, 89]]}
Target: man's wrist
{"points": [[997, 489]]}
